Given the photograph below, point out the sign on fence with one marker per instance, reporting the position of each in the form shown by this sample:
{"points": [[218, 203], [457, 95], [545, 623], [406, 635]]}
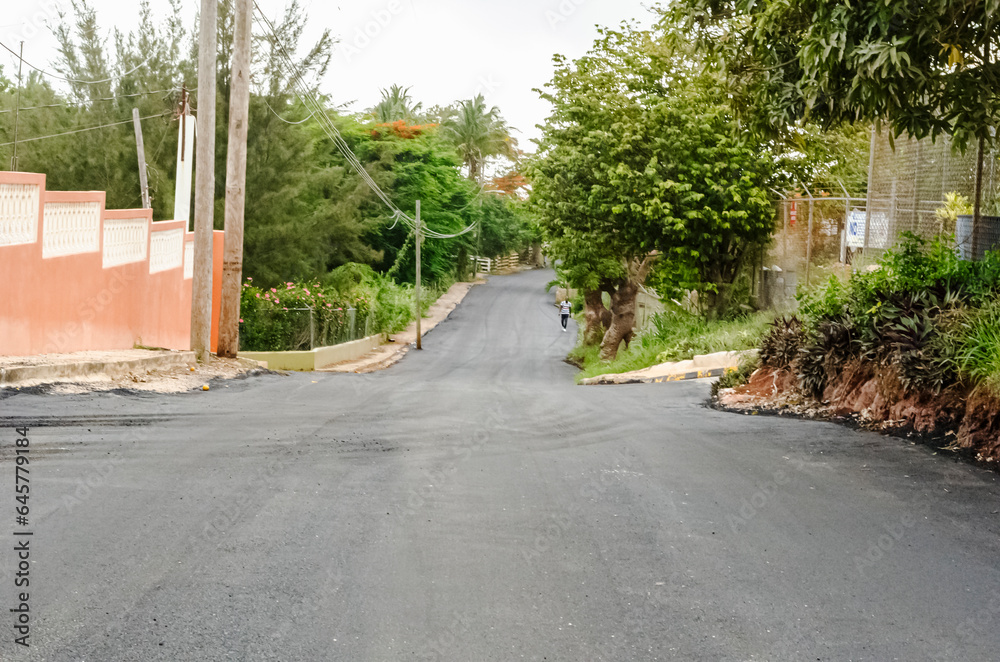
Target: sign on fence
{"points": [[877, 238]]}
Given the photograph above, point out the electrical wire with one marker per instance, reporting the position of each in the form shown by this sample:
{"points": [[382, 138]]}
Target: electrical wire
{"points": [[81, 103], [308, 100], [74, 80], [282, 118], [92, 128]]}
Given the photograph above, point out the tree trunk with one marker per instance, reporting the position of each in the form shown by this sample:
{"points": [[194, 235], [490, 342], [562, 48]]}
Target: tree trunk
{"points": [[716, 304], [536, 255], [462, 268], [596, 316], [622, 319]]}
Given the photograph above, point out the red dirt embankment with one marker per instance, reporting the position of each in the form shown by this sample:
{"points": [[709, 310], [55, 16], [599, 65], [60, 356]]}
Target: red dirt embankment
{"points": [[876, 399]]}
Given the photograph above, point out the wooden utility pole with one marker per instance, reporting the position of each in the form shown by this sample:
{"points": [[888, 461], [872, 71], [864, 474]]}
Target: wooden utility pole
{"points": [[236, 174], [204, 193], [416, 286], [141, 151]]}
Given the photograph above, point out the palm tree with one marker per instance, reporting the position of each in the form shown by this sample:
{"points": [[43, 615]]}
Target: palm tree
{"points": [[478, 134], [396, 104]]}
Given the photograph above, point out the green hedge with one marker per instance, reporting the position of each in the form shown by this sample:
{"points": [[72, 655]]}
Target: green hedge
{"points": [[352, 302]]}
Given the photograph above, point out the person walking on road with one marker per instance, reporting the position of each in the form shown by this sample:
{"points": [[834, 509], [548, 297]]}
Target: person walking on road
{"points": [[564, 308]]}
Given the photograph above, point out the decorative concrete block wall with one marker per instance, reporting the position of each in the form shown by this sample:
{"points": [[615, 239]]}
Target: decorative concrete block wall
{"points": [[81, 277]]}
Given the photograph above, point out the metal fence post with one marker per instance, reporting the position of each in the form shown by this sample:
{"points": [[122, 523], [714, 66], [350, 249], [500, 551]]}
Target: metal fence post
{"points": [[784, 236], [868, 195], [312, 330], [809, 239]]}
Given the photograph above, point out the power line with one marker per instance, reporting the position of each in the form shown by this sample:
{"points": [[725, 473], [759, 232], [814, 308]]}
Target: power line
{"points": [[82, 103], [92, 128], [282, 118], [74, 80], [308, 100]]}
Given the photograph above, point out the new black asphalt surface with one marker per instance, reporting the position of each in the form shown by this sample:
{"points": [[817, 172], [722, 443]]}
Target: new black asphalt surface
{"points": [[471, 503]]}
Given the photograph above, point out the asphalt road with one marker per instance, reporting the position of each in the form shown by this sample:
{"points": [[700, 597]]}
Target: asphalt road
{"points": [[471, 503]]}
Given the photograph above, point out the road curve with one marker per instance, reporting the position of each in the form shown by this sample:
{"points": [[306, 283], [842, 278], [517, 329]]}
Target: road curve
{"points": [[471, 503]]}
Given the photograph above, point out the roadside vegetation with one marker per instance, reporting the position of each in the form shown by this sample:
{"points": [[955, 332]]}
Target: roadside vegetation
{"points": [[923, 315], [351, 302], [675, 335], [658, 164], [913, 343]]}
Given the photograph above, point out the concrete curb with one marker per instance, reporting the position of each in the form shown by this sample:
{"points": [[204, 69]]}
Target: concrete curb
{"points": [[315, 359], [41, 374], [392, 351], [699, 367], [697, 374]]}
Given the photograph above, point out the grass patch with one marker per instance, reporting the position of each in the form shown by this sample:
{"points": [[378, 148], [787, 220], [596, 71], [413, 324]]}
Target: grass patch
{"points": [[979, 347], [676, 336]]}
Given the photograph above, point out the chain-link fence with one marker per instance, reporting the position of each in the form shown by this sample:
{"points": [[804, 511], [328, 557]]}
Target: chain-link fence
{"points": [[923, 187], [928, 188], [304, 329], [816, 236]]}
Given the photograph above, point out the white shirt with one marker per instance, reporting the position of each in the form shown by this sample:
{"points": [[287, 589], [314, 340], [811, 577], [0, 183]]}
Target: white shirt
{"points": [[564, 308]]}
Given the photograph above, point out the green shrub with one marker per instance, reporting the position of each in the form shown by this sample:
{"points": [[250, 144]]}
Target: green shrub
{"points": [[780, 345], [932, 318], [823, 303], [955, 205], [351, 302]]}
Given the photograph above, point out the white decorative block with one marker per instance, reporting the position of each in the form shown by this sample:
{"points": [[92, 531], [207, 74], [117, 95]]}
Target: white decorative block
{"points": [[71, 228], [125, 240], [19, 213], [188, 260], [166, 250]]}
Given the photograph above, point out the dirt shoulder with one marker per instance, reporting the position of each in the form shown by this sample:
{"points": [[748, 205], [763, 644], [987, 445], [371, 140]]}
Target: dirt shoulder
{"points": [[148, 370], [964, 422], [400, 343]]}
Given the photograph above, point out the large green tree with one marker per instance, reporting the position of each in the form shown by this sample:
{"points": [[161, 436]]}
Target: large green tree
{"points": [[642, 158]]}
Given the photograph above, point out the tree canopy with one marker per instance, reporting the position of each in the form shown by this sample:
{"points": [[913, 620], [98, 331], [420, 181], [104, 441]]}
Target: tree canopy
{"points": [[642, 154], [925, 68]]}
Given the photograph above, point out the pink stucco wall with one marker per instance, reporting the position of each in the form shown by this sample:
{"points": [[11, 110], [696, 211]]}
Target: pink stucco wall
{"points": [[78, 300]]}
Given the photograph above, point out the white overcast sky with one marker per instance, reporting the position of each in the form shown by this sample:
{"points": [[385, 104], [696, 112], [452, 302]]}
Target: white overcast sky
{"points": [[444, 49]]}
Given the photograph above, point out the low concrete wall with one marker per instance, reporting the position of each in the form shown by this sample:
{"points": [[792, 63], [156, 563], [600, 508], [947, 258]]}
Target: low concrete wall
{"points": [[306, 361], [56, 372]]}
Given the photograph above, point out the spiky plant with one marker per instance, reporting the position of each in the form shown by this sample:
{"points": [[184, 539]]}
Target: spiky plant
{"points": [[781, 342], [810, 367]]}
